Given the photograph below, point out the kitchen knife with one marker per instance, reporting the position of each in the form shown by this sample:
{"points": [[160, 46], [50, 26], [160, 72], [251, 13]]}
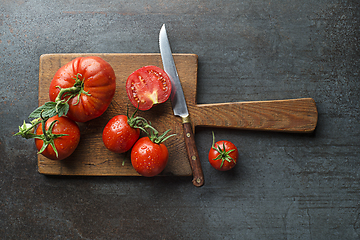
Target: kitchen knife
{"points": [[179, 106]]}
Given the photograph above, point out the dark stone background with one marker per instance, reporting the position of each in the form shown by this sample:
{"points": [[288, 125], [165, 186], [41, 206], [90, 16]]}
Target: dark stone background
{"points": [[286, 186]]}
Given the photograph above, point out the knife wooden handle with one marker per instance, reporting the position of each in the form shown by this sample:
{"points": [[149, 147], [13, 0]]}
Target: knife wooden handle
{"points": [[193, 156]]}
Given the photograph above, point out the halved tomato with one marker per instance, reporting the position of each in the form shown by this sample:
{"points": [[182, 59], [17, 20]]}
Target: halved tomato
{"points": [[148, 86]]}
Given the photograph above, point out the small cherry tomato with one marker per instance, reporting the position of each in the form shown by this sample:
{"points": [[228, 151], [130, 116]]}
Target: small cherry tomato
{"points": [[149, 158], [61, 133], [223, 155], [147, 87], [118, 135]]}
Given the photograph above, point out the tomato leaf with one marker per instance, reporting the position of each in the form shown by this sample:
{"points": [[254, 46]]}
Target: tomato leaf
{"points": [[62, 109], [50, 109]]}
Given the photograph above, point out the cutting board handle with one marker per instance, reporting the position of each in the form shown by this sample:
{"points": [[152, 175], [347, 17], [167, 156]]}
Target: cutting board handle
{"points": [[293, 115]]}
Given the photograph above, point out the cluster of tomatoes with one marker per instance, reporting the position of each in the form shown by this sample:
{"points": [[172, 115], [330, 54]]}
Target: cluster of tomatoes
{"points": [[82, 90]]}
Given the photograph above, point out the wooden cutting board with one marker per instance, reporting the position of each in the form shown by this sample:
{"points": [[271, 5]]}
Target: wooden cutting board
{"points": [[91, 158]]}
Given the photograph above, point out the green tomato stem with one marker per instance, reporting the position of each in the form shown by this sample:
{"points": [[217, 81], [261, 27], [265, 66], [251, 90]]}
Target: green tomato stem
{"points": [[73, 90], [77, 89], [145, 126], [43, 128], [48, 137]]}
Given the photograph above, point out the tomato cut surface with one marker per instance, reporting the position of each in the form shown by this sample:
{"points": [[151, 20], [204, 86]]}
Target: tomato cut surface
{"points": [[148, 86]]}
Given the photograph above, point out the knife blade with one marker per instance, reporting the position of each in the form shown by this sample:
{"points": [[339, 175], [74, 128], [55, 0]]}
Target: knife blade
{"points": [[179, 106]]}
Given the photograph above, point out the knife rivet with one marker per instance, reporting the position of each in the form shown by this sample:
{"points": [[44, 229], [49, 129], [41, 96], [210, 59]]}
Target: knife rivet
{"points": [[188, 135], [193, 158]]}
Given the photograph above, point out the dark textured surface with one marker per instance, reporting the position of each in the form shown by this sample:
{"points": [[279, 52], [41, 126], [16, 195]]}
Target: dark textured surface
{"points": [[286, 186]]}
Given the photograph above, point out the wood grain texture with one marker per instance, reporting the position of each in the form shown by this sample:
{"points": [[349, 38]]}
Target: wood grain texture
{"points": [[293, 115], [91, 158]]}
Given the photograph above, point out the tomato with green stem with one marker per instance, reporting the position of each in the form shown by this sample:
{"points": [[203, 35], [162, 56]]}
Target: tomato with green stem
{"points": [[82, 89], [121, 132], [149, 155], [57, 138], [87, 84], [223, 155]]}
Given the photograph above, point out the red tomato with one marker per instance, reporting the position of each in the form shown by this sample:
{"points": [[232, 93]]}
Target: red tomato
{"points": [[223, 155], [148, 86], [65, 145], [118, 136], [148, 158], [96, 81]]}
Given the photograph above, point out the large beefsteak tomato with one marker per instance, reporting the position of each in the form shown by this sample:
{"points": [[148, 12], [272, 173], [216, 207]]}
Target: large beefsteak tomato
{"points": [[88, 83]]}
